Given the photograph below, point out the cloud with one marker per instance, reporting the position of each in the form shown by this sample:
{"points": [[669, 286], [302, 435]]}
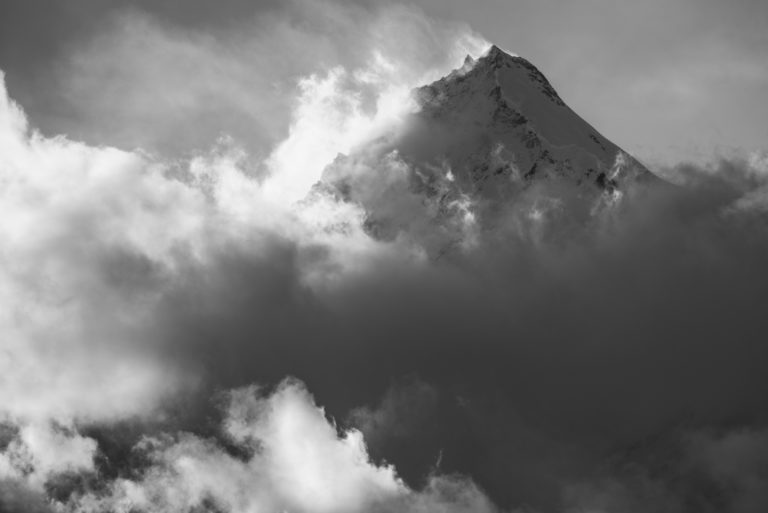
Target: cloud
{"points": [[541, 337], [80, 250], [294, 460], [96, 238], [40, 451], [102, 248], [736, 460], [406, 405], [16, 497], [140, 80], [681, 470]]}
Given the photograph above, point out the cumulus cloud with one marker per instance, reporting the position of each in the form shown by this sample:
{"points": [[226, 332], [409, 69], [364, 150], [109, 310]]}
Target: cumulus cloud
{"points": [[79, 248], [96, 237], [291, 459], [98, 244], [133, 279]]}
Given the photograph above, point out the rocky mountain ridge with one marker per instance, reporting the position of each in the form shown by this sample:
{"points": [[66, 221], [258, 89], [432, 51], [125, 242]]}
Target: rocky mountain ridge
{"points": [[482, 139]]}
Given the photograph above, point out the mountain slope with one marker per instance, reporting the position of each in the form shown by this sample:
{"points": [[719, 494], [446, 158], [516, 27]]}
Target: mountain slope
{"points": [[503, 107], [483, 137]]}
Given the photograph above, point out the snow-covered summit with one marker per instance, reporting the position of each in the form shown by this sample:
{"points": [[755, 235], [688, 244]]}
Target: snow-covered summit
{"points": [[502, 106], [490, 139]]}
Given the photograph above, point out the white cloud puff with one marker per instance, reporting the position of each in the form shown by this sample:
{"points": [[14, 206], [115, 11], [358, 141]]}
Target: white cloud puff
{"points": [[295, 460]]}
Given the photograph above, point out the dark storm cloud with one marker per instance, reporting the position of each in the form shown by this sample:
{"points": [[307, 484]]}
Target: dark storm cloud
{"points": [[680, 470], [540, 361], [541, 355], [542, 347], [547, 355]]}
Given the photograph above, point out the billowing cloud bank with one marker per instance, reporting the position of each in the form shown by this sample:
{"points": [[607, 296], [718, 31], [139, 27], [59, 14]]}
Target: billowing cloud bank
{"points": [[283, 456], [610, 364], [98, 243]]}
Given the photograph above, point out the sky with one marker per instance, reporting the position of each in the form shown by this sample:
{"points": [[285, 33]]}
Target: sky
{"points": [[667, 80], [231, 282]]}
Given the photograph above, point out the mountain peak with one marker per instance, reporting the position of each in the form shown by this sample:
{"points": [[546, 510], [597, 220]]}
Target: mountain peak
{"points": [[493, 57], [494, 52], [483, 136], [503, 101], [497, 57]]}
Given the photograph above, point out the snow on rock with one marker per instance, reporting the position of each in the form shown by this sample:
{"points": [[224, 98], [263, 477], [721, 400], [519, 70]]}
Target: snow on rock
{"points": [[483, 136]]}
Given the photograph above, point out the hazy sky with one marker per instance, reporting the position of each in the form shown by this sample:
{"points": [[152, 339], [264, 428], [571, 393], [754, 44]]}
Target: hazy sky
{"points": [[668, 80]]}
